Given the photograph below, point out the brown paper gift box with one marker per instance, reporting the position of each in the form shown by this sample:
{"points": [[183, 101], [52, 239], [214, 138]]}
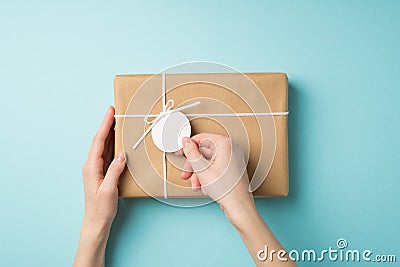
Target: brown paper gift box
{"points": [[274, 87]]}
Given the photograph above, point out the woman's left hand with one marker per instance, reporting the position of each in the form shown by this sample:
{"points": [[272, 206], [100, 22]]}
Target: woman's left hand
{"points": [[101, 173]]}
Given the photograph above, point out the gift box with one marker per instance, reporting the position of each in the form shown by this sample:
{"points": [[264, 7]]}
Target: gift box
{"points": [[253, 113]]}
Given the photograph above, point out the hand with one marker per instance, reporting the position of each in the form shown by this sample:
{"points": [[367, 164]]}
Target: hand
{"points": [[100, 179], [101, 173], [216, 165]]}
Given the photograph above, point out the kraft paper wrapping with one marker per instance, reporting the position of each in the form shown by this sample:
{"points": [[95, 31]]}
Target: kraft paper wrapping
{"points": [[267, 154]]}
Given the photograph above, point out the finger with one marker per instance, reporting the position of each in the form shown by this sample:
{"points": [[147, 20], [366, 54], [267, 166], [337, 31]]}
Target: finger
{"points": [[199, 138], [187, 170], [97, 147], [193, 155], [195, 182], [207, 152], [191, 149], [109, 140], [207, 142], [115, 170], [179, 152], [186, 175], [108, 153], [203, 143]]}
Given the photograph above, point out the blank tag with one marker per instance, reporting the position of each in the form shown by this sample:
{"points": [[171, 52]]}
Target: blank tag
{"points": [[168, 132]]}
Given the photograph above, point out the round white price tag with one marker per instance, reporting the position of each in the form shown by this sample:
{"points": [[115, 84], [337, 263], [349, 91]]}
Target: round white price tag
{"points": [[168, 132]]}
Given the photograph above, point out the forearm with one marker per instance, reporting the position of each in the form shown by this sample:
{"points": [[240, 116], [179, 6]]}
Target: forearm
{"points": [[92, 245], [257, 236]]}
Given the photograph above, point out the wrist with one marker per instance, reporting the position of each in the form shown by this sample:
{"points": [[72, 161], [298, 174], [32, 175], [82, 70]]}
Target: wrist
{"points": [[240, 214], [92, 244], [246, 220], [96, 231]]}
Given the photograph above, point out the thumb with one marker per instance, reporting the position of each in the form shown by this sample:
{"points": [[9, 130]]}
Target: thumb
{"points": [[193, 155], [114, 170], [191, 149]]}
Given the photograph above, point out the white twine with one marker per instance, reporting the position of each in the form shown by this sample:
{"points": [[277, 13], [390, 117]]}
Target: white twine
{"points": [[282, 113], [167, 109]]}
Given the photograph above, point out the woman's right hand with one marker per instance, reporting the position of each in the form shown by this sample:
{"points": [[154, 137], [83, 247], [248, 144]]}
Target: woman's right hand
{"points": [[216, 165]]}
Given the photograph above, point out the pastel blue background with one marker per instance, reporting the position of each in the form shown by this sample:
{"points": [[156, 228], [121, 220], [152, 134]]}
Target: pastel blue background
{"points": [[57, 64]]}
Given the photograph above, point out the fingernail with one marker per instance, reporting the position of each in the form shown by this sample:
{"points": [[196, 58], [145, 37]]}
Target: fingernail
{"points": [[121, 156], [185, 141], [110, 109]]}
